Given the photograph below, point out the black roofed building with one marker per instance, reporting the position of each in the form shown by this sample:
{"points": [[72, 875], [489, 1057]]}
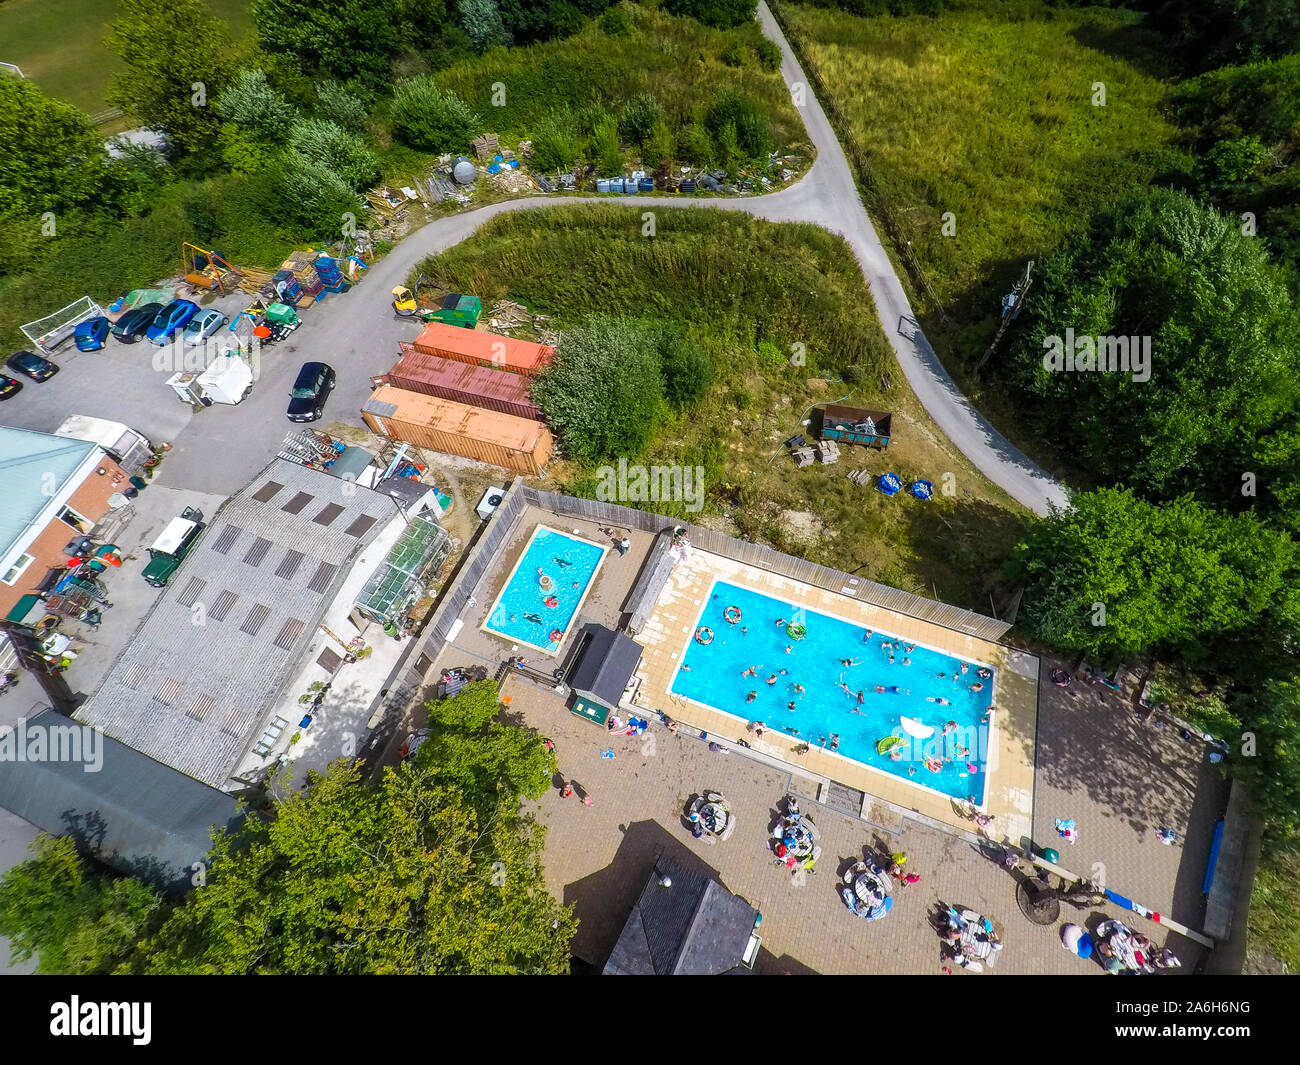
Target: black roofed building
{"points": [[685, 924], [604, 663], [126, 810]]}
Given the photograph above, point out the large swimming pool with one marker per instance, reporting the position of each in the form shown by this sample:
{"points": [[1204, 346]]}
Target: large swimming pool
{"points": [[944, 746], [545, 589]]}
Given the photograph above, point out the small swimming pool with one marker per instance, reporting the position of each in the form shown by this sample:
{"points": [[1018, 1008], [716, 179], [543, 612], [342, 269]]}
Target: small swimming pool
{"points": [[754, 669], [545, 589]]}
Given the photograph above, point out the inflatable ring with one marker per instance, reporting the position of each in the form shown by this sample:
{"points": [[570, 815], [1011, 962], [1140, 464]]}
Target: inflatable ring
{"points": [[732, 614], [551, 601], [889, 743], [704, 635], [556, 636], [795, 631], [933, 765]]}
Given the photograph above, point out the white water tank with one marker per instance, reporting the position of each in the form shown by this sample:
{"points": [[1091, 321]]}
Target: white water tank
{"points": [[463, 171], [487, 506]]}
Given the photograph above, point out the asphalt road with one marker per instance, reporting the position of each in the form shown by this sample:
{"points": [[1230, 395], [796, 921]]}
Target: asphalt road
{"points": [[218, 449]]}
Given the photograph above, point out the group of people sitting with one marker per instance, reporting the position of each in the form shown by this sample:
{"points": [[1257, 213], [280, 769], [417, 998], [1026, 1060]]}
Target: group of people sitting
{"points": [[1122, 950], [969, 939]]}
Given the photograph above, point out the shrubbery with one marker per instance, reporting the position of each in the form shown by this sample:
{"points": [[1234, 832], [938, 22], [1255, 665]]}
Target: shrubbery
{"points": [[753, 131], [260, 111], [335, 103], [425, 117], [721, 13]]}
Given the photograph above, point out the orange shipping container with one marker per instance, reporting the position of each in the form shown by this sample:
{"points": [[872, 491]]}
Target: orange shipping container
{"points": [[483, 349], [462, 382], [518, 444]]}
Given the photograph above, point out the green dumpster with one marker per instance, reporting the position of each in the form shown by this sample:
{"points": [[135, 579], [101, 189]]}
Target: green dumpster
{"points": [[591, 711]]}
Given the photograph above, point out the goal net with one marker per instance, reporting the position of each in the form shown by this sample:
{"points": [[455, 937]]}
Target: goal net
{"points": [[49, 332]]}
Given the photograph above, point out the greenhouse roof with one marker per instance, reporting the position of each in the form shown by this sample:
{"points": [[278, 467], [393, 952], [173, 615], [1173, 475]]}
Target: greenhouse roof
{"points": [[422, 545]]}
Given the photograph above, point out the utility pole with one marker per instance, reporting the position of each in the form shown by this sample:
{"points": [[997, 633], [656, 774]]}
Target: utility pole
{"points": [[1010, 308]]}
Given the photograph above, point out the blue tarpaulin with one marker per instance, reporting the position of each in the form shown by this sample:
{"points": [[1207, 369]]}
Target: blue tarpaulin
{"points": [[890, 484]]}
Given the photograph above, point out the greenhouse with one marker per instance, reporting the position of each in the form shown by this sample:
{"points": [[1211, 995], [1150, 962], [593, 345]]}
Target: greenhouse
{"points": [[399, 581]]}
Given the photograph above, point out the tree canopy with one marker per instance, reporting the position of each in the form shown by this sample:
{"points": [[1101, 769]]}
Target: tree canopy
{"points": [[1224, 348], [1116, 575]]}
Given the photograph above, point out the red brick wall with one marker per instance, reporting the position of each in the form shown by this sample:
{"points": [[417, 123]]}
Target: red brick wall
{"points": [[91, 501]]}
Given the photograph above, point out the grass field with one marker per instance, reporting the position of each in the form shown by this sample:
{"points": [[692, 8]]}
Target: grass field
{"points": [[677, 60], [59, 44], [746, 290]]}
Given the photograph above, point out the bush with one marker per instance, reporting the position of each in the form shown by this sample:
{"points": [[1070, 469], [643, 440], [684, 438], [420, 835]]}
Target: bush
{"points": [[603, 389], [344, 154], [753, 131], [482, 22], [309, 194], [256, 108], [424, 117], [725, 14], [604, 148], [769, 54], [335, 103], [687, 371], [615, 23], [770, 356], [658, 148], [1230, 165], [735, 54], [694, 145], [638, 117], [556, 144]]}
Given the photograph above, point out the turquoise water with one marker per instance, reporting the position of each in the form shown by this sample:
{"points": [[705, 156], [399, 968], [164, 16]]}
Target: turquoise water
{"points": [[714, 674], [521, 612]]}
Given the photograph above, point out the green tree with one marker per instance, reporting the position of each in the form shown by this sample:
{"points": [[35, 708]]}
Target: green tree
{"points": [[425, 117], [1271, 770], [407, 876], [53, 160], [1116, 575], [1224, 365], [482, 21], [724, 14], [555, 142], [332, 147], [307, 194], [604, 388], [350, 39], [687, 371], [1230, 165], [769, 55], [694, 145], [604, 147], [73, 919], [260, 111], [658, 147], [335, 103], [176, 64], [1213, 33]]}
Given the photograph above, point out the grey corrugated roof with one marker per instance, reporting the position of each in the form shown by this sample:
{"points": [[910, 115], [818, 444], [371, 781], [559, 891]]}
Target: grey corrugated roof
{"points": [[136, 815], [191, 695], [696, 927], [34, 467], [608, 660]]}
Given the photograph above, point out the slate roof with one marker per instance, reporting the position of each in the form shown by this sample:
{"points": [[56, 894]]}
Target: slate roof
{"points": [[696, 927], [227, 634], [608, 661], [136, 815], [33, 467]]}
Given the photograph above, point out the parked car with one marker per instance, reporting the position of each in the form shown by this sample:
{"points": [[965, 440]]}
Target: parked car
{"points": [[9, 387], [203, 325], [310, 391], [132, 325], [91, 334], [29, 364], [175, 316], [177, 540]]}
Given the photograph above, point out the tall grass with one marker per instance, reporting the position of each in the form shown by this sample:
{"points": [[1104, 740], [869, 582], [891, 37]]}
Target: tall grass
{"points": [[746, 292], [989, 116], [675, 60]]}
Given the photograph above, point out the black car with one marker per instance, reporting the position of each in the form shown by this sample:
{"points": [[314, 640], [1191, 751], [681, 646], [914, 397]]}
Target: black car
{"points": [[9, 387], [310, 391], [132, 325], [29, 364]]}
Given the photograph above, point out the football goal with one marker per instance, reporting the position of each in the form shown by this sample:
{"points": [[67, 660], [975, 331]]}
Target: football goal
{"points": [[49, 332]]}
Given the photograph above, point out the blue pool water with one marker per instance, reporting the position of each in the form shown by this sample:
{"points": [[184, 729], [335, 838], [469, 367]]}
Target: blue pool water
{"points": [[521, 613], [714, 674]]}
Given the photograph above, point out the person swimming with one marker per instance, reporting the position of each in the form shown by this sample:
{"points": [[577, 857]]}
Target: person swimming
{"points": [[907, 661], [848, 662], [937, 699], [976, 687], [880, 689], [536, 619], [783, 672], [751, 697], [798, 688], [780, 623], [984, 673], [896, 690], [949, 726], [772, 679], [750, 672], [790, 705], [835, 741], [861, 698], [964, 667], [562, 562], [845, 689]]}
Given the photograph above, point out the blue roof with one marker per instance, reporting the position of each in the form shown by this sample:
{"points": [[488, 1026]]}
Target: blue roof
{"points": [[29, 462]]}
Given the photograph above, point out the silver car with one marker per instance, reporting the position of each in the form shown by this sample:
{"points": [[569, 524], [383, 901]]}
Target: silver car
{"points": [[203, 326]]}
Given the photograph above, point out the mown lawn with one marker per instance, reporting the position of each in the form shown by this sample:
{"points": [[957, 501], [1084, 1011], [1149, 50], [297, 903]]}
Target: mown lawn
{"points": [[746, 291], [676, 60], [60, 44]]}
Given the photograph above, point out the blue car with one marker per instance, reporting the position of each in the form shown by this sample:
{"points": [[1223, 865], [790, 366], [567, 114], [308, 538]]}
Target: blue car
{"points": [[170, 320], [91, 334]]}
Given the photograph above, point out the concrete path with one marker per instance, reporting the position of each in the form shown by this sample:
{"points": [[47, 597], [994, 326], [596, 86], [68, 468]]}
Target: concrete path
{"points": [[827, 196]]}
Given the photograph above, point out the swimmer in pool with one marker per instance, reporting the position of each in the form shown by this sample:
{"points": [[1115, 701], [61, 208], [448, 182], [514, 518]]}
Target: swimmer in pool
{"points": [[896, 690], [847, 662], [789, 706], [772, 679], [861, 698], [937, 699], [750, 672], [983, 673], [880, 689], [789, 649], [562, 562], [976, 687], [964, 667], [907, 661], [783, 672], [751, 697], [798, 688], [845, 689]]}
